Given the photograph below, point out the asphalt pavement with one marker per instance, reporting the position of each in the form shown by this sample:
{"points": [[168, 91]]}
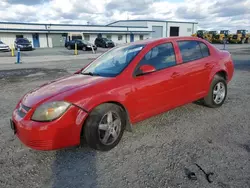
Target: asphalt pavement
{"points": [[155, 154]]}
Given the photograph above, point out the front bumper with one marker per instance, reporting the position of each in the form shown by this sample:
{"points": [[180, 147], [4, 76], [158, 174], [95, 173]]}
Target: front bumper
{"points": [[90, 48], [60, 133], [234, 41], [26, 48], [4, 49]]}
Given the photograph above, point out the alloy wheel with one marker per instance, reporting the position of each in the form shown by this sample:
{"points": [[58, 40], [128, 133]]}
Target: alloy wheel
{"points": [[219, 92], [109, 128]]}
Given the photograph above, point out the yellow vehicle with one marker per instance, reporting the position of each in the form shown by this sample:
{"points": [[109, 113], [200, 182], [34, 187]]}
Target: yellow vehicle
{"points": [[201, 34], [224, 35], [241, 37], [212, 35]]}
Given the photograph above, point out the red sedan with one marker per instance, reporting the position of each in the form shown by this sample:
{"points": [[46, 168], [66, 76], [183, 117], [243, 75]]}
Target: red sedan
{"points": [[125, 85]]}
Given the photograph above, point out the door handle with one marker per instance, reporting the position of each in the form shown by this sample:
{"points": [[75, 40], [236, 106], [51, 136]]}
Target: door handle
{"points": [[175, 74]]}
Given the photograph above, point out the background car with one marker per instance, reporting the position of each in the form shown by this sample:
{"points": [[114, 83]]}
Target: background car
{"points": [[4, 47], [23, 44], [123, 86], [104, 42], [81, 45]]}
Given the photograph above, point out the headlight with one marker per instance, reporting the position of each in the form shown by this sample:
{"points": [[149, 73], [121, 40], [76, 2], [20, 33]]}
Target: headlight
{"points": [[50, 111], [20, 46], [89, 46]]}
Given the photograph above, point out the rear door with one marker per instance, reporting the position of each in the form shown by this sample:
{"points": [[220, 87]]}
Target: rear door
{"points": [[197, 65]]}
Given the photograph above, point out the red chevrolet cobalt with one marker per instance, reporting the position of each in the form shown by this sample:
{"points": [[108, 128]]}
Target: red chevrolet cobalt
{"points": [[125, 85]]}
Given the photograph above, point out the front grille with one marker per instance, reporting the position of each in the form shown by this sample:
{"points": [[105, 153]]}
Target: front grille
{"points": [[235, 37], [23, 110]]}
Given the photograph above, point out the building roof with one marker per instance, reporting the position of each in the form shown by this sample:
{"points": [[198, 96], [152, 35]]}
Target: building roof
{"points": [[150, 20], [73, 30], [49, 24]]}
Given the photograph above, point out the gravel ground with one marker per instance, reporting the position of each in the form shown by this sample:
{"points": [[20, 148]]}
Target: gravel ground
{"points": [[154, 155]]}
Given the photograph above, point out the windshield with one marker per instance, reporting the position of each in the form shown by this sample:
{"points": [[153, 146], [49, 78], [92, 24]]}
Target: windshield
{"points": [[22, 41], [114, 61], [105, 39]]}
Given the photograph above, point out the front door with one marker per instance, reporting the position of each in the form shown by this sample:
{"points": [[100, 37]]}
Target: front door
{"points": [[36, 42], [131, 37], [160, 90]]}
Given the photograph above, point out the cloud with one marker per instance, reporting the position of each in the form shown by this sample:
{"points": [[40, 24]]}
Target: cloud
{"points": [[132, 6], [212, 14], [27, 2]]}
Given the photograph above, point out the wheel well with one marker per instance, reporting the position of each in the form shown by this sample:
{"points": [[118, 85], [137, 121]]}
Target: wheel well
{"points": [[222, 74], [128, 124]]}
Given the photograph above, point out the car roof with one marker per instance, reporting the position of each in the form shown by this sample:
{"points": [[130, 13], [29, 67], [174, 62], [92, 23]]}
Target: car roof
{"points": [[166, 39]]}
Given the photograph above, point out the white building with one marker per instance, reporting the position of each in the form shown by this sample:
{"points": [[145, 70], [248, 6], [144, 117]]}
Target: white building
{"points": [[123, 31]]}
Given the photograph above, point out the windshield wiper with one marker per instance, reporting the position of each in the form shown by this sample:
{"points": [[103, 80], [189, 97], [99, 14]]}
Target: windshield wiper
{"points": [[90, 73]]}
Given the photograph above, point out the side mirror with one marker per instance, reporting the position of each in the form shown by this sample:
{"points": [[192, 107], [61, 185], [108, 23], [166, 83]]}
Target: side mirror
{"points": [[145, 69]]}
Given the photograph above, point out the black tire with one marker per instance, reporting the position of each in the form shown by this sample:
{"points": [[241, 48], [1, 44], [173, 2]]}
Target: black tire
{"points": [[69, 47], [91, 130], [84, 48], [209, 99]]}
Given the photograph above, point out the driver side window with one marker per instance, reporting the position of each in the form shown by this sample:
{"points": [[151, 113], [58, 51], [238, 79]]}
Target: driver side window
{"points": [[160, 57]]}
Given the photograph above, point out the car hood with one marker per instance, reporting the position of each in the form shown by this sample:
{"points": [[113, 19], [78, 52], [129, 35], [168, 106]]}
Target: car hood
{"points": [[59, 86], [89, 44]]}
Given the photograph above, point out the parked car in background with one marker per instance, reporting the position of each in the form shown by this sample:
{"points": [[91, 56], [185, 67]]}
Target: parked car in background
{"points": [[123, 86], [81, 45], [104, 42], [23, 44], [4, 47]]}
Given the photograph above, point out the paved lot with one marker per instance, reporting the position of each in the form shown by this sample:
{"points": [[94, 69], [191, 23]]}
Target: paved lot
{"points": [[154, 155], [51, 51]]}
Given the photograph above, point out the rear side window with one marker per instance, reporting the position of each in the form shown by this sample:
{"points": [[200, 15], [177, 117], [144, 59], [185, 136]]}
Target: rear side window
{"points": [[160, 57], [190, 50], [204, 49]]}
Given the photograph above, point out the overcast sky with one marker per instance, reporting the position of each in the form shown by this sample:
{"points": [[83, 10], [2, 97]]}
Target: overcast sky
{"points": [[210, 14]]}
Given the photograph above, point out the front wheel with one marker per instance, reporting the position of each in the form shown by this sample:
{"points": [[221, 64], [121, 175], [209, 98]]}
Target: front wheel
{"points": [[69, 47], [104, 127], [217, 93]]}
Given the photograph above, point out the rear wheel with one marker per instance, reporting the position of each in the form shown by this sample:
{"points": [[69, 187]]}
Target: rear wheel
{"points": [[68, 47], [84, 48], [105, 126], [217, 93]]}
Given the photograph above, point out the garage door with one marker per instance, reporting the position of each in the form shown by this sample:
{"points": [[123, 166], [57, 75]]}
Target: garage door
{"points": [[57, 40], [174, 31], [157, 31]]}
